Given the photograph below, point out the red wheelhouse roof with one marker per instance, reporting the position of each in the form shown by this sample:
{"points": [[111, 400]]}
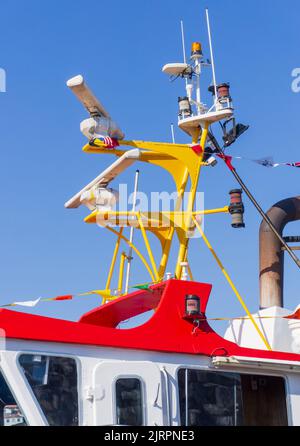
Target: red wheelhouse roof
{"points": [[166, 331]]}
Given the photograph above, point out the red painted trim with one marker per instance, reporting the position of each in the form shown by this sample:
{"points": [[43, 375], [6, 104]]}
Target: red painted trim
{"points": [[197, 149], [166, 331]]}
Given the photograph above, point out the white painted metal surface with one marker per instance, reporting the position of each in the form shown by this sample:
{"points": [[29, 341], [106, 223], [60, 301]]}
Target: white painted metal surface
{"points": [[282, 334], [98, 369]]}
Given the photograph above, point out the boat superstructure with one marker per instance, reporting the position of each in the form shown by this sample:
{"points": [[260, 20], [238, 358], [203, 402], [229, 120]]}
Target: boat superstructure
{"points": [[174, 369]]}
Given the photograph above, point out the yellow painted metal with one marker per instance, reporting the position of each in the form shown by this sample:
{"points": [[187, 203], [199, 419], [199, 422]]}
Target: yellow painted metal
{"points": [[220, 264], [190, 273], [152, 219], [168, 240], [135, 250], [121, 272], [114, 258], [183, 239], [144, 234], [182, 163], [225, 210], [161, 224], [168, 152]]}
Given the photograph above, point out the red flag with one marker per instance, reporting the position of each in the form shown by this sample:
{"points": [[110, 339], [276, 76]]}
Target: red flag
{"points": [[66, 297], [295, 315], [227, 160]]}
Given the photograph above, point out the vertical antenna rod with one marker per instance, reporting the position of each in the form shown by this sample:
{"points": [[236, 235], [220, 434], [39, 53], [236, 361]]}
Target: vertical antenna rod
{"points": [[183, 41], [211, 54], [173, 135], [136, 183], [184, 53]]}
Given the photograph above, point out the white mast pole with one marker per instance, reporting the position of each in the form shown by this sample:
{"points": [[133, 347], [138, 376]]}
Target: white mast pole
{"points": [[211, 54], [173, 135], [183, 41], [136, 183], [188, 90]]}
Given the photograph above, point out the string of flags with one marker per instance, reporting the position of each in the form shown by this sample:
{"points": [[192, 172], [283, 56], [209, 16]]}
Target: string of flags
{"points": [[106, 295], [268, 161]]}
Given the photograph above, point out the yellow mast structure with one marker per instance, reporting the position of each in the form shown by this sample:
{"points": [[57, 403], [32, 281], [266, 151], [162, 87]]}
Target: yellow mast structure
{"points": [[184, 163]]}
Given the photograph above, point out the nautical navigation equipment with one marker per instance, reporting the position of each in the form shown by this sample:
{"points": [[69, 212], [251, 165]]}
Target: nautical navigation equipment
{"points": [[98, 127], [100, 198], [255, 203], [229, 137], [196, 50], [100, 122], [185, 110], [236, 208], [223, 100], [195, 114], [106, 176], [192, 306], [209, 158], [178, 70]]}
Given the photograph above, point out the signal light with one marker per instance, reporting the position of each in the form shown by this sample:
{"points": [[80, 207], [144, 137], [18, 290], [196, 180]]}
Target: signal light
{"points": [[192, 306], [196, 50], [185, 110], [236, 208]]}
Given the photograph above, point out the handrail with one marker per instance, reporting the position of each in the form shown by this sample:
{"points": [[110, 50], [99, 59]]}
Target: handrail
{"points": [[165, 373]]}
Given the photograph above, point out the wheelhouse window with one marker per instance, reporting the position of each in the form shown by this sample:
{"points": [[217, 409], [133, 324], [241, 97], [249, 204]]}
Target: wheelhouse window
{"points": [[129, 402], [54, 383], [10, 414], [231, 399]]}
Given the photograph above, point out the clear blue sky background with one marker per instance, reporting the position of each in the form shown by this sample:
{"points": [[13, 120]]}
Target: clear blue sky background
{"points": [[120, 47]]}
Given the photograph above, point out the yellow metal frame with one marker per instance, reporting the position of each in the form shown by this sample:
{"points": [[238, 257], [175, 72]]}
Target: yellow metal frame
{"points": [[233, 287], [183, 163]]}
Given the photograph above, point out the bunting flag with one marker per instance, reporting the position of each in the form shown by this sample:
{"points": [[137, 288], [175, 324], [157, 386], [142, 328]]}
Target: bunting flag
{"points": [[29, 303], [104, 141], [107, 296], [145, 287], [34, 303], [265, 162]]}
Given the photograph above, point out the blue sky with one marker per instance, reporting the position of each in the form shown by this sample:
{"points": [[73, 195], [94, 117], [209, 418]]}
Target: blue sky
{"points": [[120, 47]]}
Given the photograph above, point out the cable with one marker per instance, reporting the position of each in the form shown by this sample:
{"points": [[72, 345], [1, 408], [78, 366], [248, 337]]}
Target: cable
{"points": [[254, 202]]}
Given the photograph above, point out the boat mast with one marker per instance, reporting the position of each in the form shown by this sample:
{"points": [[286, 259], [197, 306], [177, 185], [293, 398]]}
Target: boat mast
{"points": [[129, 257]]}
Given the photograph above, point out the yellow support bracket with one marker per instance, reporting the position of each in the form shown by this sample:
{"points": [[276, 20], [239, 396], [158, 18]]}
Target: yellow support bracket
{"points": [[140, 255], [144, 234], [121, 272], [113, 262], [240, 299]]}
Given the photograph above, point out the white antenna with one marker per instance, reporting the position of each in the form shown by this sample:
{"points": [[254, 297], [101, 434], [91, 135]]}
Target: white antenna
{"points": [[211, 55], [183, 41], [173, 135], [183, 49], [129, 257]]}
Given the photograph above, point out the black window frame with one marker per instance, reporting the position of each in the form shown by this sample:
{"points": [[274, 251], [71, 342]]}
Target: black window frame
{"points": [[241, 373], [143, 397]]}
